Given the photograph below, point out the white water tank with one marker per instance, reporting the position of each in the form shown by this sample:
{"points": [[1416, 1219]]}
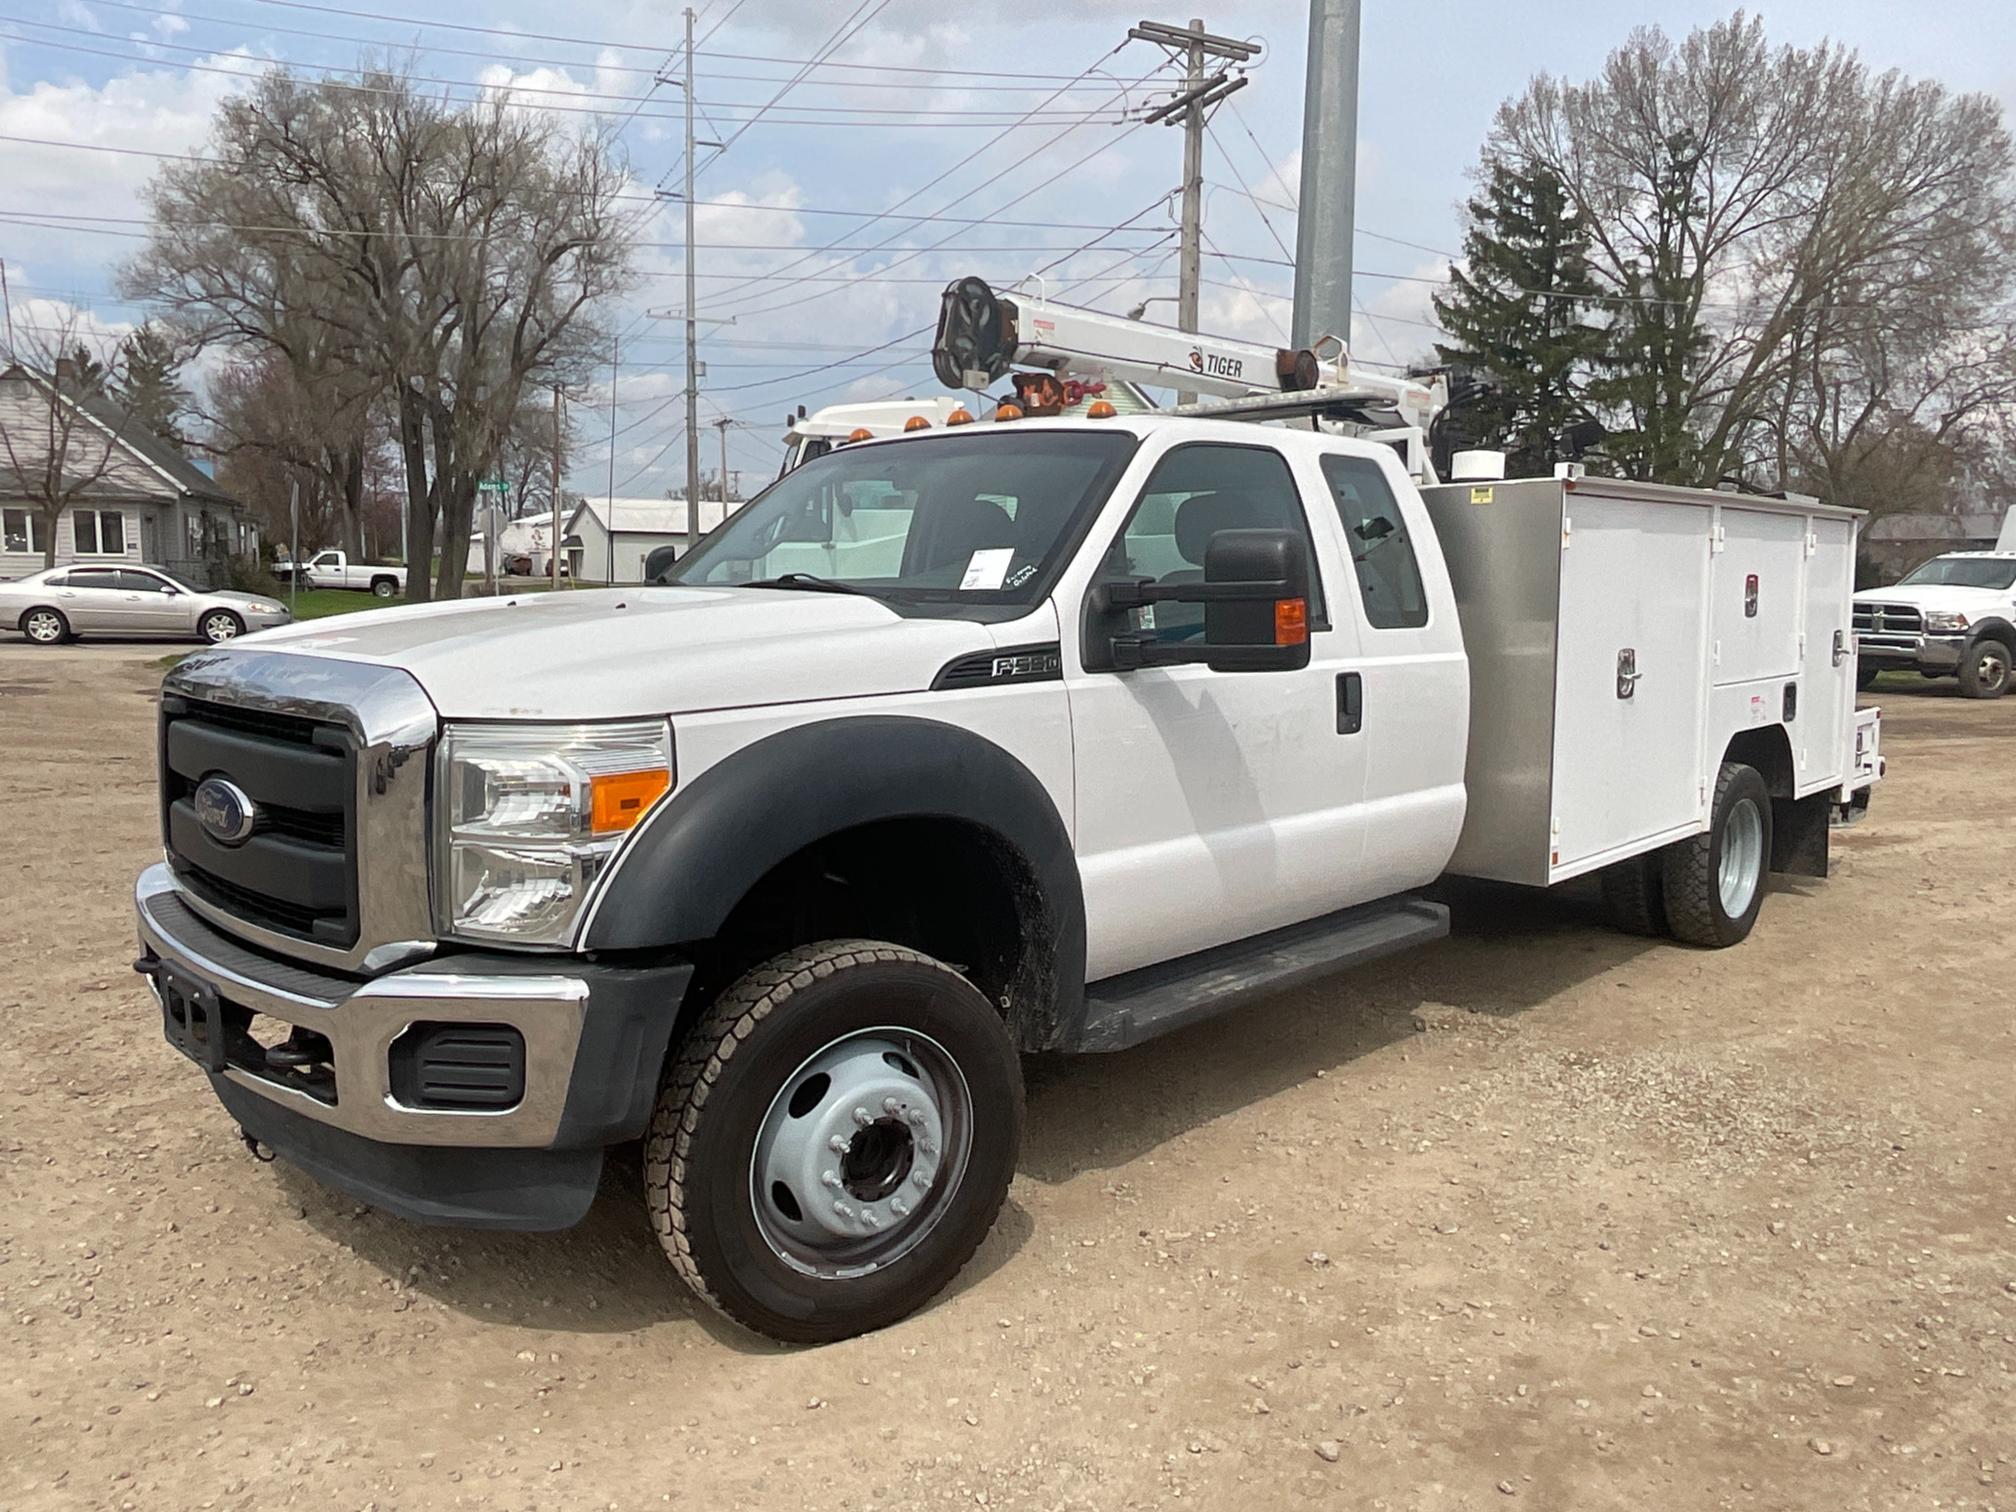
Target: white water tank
{"points": [[1476, 466]]}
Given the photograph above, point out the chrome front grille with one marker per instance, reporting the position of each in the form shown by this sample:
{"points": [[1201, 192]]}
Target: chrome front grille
{"points": [[296, 872], [1889, 619], [334, 757]]}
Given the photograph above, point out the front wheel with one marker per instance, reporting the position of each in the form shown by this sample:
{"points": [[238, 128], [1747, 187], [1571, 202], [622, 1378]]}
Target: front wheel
{"points": [[45, 627], [221, 625], [1865, 677], [834, 1140], [1984, 670], [1714, 882]]}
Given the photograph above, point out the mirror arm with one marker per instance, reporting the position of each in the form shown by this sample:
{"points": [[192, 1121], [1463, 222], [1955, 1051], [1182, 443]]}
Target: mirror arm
{"points": [[1136, 595]]}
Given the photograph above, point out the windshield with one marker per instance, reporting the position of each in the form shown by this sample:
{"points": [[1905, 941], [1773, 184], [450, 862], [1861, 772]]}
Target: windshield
{"points": [[967, 520], [1964, 572]]}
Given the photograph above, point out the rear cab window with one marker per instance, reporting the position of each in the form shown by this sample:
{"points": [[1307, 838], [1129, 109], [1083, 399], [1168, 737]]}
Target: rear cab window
{"points": [[1376, 536]]}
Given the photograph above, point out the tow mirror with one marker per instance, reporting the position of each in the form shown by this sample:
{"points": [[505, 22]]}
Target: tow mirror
{"points": [[1255, 595]]}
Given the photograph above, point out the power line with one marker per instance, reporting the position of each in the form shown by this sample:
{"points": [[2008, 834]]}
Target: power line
{"points": [[515, 35], [940, 178], [501, 94], [520, 60], [648, 199]]}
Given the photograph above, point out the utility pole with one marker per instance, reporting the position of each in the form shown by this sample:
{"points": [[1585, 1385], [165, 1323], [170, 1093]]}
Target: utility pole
{"points": [[615, 353], [1329, 175], [1198, 94], [722, 425], [7, 300], [553, 540], [692, 335]]}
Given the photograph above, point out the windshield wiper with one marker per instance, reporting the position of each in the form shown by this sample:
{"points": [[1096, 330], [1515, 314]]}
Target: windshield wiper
{"points": [[806, 581]]}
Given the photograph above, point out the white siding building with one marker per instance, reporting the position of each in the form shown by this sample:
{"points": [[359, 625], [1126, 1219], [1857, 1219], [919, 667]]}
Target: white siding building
{"points": [[145, 501], [598, 553]]}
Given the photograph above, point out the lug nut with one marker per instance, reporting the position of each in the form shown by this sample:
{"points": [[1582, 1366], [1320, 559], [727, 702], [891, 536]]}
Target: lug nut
{"points": [[921, 1179], [870, 1217], [829, 1178], [890, 1105], [837, 1145], [863, 1117], [899, 1207]]}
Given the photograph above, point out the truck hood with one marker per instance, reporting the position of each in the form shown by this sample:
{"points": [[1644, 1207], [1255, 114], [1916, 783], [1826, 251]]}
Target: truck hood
{"points": [[614, 653], [1975, 603]]}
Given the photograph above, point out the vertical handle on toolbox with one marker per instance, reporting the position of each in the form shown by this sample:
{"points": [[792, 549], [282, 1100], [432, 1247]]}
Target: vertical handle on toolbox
{"points": [[1350, 703]]}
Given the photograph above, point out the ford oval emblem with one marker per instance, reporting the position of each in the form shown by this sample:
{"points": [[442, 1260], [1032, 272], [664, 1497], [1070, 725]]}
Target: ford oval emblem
{"points": [[225, 812]]}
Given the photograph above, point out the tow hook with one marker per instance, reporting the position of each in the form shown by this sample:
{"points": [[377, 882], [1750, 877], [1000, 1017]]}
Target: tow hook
{"points": [[261, 1153]]}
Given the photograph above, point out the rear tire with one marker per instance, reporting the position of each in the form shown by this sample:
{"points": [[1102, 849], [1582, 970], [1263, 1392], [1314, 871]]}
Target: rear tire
{"points": [[885, 1058], [45, 627], [1714, 882], [383, 588], [1634, 895], [1984, 672], [219, 626]]}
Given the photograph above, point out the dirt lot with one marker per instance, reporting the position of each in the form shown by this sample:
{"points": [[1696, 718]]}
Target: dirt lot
{"points": [[1546, 1217]]}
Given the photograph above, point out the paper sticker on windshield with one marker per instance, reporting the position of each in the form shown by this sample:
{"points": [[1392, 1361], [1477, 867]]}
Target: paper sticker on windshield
{"points": [[985, 569]]}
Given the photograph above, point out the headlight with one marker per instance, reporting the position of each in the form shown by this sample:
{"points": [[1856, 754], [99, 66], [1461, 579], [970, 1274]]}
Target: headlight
{"points": [[1943, 621], [531, 815]]}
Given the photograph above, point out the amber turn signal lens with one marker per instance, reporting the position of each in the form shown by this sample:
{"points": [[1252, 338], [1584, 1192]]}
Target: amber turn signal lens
{"points": [[1100, 409], [916, 422], [1291, 622], [959, 417], [618, 800], [861, 433], [1008, 412]]}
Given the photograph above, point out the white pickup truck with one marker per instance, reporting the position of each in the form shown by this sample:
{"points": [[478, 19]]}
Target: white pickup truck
{"points": [[1049, 735], [334, 569], [1954, 616]]}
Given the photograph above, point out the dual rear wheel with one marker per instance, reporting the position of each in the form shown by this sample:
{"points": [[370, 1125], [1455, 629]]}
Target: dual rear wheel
{"points": [[1705, 890]]}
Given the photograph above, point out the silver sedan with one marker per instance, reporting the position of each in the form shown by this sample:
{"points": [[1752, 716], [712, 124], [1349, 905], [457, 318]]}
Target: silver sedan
{"points": [[51, 606]]}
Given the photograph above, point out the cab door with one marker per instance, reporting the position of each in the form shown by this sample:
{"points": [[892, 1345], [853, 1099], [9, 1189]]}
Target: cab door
{"points": [[159, 608], [1210, 805]]}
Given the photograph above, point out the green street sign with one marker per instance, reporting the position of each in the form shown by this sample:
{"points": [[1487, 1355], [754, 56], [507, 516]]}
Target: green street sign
{"points": [[493, 485]]}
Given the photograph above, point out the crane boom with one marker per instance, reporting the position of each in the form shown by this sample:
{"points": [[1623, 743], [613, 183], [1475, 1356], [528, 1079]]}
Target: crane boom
{"points": [[983, 336]]}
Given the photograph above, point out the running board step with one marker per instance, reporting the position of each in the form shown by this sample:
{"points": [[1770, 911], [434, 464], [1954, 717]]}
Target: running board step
{"points": [[1125, 1010]]}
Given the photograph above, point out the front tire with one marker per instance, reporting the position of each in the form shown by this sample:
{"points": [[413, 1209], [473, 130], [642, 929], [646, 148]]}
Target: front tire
{"points": [[1984, 671], [45, 627], [1865, 678], [834, 1140], [221, 625], [1714, 882]]}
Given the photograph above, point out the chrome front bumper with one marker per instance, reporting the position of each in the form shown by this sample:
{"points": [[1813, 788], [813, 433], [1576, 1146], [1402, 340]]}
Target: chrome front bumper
{"points": [[363, 1020], [1930, 653]]}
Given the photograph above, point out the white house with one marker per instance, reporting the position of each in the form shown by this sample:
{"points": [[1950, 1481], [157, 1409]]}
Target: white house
{"points": [[141, 500], [596, 553]]}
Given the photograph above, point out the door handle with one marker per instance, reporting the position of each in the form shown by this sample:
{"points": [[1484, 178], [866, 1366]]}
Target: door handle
{"points": [[1350, 703], [1840, 647]]}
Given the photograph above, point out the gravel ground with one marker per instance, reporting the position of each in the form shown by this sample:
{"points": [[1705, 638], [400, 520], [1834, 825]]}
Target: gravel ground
{"points": [[1545, 1216]]}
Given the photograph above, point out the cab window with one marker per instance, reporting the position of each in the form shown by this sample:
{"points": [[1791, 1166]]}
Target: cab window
{"points": [[1389, 577], [1195, 492]]}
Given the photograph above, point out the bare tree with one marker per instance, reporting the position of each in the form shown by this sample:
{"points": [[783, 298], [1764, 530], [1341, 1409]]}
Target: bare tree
{"points": [[1764, 216], [448, 257], [59, 440]]}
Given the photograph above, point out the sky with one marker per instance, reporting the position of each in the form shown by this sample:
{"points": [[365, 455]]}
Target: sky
{"points": [[944, 110]]}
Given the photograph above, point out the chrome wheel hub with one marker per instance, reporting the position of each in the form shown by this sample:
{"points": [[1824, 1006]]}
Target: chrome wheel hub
{"points": [[860, 1150], [1742, 865]]}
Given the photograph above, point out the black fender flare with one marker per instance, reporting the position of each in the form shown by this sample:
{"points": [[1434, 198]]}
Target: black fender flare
{"points": [[1993, 628], [698, 855]]}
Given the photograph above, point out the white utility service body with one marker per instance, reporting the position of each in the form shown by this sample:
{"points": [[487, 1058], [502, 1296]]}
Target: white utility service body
{"points": [[1052, 734], [1620, 636]]}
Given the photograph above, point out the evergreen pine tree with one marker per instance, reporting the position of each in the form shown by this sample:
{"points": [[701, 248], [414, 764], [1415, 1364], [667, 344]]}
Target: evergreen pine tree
{"points": [[1518, 316], [152, 391]]}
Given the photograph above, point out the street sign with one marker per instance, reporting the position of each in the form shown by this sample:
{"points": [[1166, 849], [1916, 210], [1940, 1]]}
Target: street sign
{"points": [[493, 485]]}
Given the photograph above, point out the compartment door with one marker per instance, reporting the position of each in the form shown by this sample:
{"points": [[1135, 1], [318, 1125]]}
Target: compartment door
{"points": [[1758, 576], [1823, 733], [1630, 692]]}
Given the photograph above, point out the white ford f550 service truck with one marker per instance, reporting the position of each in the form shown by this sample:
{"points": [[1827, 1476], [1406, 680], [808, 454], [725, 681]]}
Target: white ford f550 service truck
{"points": [[1043, 735]]}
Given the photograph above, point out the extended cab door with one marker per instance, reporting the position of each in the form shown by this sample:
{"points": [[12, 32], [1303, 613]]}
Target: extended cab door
{"points": [[1210, 805]]}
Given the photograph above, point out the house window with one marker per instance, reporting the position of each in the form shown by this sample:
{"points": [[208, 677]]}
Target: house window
{"points": [[100, 532], [20, 530]]}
